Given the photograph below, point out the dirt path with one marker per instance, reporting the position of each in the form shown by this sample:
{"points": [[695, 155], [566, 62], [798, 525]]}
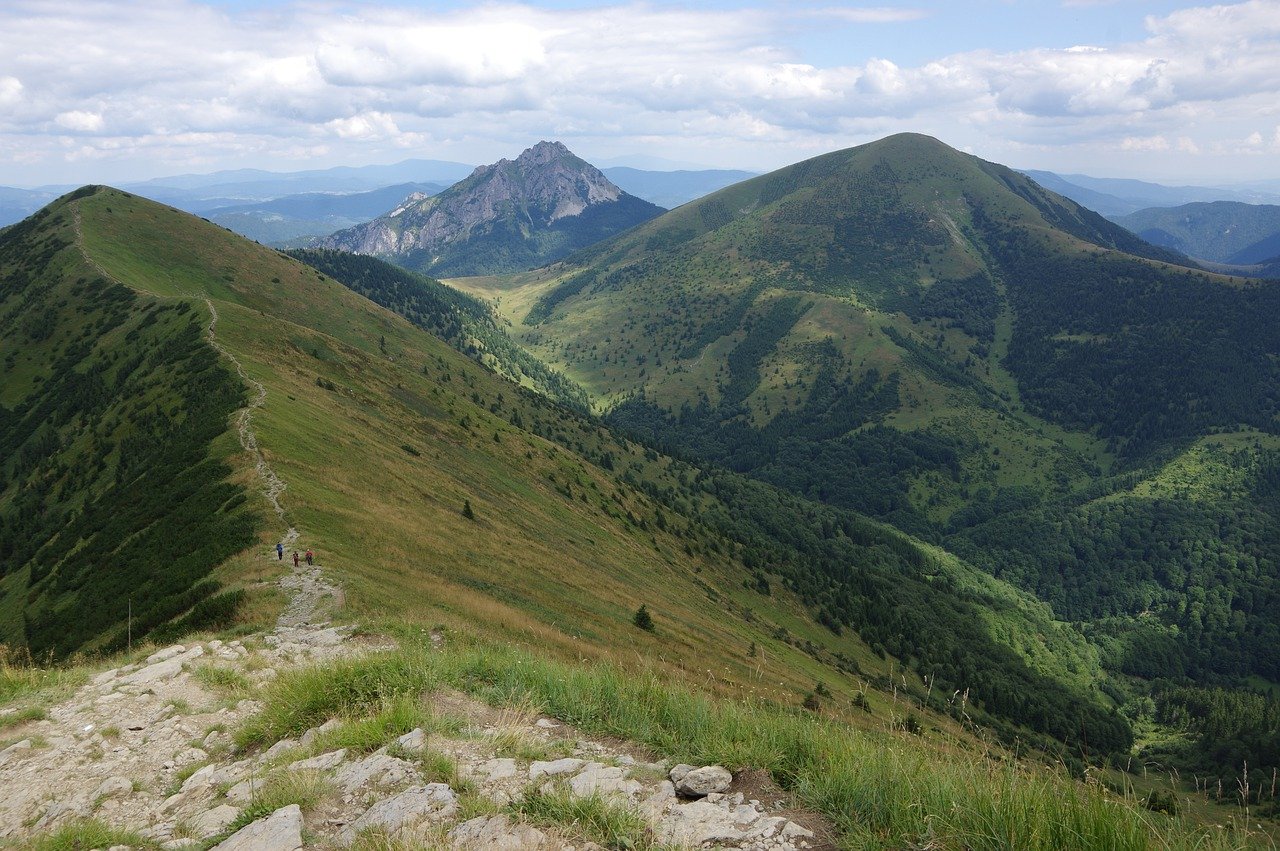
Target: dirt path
{"points": [[308, 592], [88, 258]]}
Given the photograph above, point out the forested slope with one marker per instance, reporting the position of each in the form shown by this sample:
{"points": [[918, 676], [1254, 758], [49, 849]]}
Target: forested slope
{"points": [[114, 486], [936, 341], [466, 323]]}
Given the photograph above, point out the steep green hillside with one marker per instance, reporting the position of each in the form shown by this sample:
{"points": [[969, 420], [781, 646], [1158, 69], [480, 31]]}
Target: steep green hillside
{"points": [[442, 496], [115, 489], [383, 434], [839, 327], [936, 341], [468, 324]]}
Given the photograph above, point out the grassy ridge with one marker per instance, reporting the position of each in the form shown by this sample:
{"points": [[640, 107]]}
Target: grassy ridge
{"points": [[380, 460], [383, 433], [113, 405]]}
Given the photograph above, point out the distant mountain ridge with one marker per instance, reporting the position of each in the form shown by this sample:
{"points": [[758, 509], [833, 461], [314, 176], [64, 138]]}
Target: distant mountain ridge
{"points": [[310, 215], [673, 188], [17, 204], [1220, 231], [1112, 196], [508, 216], [251, 184]]}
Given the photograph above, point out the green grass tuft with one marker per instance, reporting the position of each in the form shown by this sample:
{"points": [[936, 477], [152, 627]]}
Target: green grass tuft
{"points": [[387, 720], [22, 716], [84, 835], [281, 788], [222, 679], [604, 820], [20, 676]]}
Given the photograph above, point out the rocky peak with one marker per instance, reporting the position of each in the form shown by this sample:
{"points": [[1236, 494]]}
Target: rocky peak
{"points": [[543, 153], [547, 175], [546, 188]]}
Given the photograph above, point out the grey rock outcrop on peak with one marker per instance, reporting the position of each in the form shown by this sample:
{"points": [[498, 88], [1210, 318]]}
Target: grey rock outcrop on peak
{"points": [[505, 217]]}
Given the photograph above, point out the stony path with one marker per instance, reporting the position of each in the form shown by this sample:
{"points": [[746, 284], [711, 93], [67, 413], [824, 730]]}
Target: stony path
{"points": [[273, 486], [148, 747], [116, 748]]}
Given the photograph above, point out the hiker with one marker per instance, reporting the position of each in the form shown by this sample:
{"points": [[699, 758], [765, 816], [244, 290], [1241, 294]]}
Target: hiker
{"points": [[295, 558], [310, 555], [279, 552]]}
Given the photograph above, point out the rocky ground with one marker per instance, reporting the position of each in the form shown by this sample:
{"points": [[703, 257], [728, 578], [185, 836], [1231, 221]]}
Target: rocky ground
{"points": [[149, 747]]}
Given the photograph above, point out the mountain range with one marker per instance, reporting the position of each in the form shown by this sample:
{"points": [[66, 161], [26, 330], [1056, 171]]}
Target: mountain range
{"points": [[940, 343], [299, 218], [894, 436], [672, 188], [1113, 196]]}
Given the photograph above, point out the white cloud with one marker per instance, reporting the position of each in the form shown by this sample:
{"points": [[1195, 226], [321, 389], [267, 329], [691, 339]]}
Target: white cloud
{"points": [[487, 80], [370, 125], [1149, 143], [80, 121], [10, 91], [870, 14]]}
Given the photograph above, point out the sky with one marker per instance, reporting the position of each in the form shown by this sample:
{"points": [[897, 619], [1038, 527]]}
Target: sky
{"points": [[114, 90]]}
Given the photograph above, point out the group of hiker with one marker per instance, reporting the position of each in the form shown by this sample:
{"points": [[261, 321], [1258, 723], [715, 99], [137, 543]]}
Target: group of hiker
{"points": [[310, 556]]}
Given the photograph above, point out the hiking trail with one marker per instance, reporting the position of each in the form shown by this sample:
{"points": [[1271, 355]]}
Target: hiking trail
{"points": [[305, 585], [307, 589]]}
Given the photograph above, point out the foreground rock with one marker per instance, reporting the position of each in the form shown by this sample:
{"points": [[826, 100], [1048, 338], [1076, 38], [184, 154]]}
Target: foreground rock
{"points": [[700, 782], [280, 831], [405, 811]]}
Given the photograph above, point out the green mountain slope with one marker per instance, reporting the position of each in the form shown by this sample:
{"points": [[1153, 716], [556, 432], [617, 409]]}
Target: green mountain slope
{"points": [[468, 324], [382, 433], [850, 309], [1221, 231], [384, 436], [115, 489], [911, 332]]}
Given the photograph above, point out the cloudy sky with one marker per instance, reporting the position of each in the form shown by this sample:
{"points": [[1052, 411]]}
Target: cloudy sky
{"points": [[111, 90]]}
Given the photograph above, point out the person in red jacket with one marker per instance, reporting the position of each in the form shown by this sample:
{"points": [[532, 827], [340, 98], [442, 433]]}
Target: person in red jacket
{"points": [[310, 556]]}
